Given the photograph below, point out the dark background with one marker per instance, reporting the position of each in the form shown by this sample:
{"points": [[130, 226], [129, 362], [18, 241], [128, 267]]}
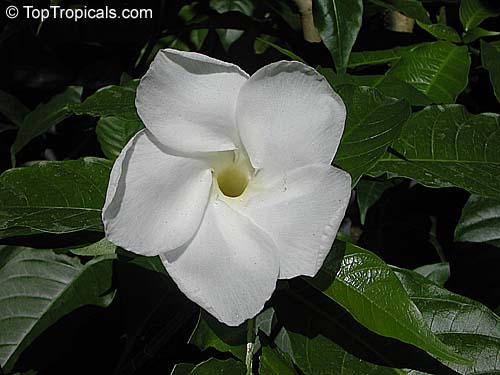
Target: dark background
{"points": [[95, 53]]}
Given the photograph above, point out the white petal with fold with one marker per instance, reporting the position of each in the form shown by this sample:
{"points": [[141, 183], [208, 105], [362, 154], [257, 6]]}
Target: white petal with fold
{"points": [[229, 268], [302, 212], [155, 201], [288, 116], [188, 100]]}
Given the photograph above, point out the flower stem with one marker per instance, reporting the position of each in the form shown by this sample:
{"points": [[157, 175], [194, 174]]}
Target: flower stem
{"points": [[250, 345]]}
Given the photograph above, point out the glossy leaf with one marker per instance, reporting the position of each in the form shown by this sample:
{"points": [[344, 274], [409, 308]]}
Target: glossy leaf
{"points": [[228, 36], [374, 121], [439, 70], [209, 333], [476, 33], [272, 362], [53, 197], [473, 12], [320, 356], [369, 192], [411, 8], [471, 329], [490, 56], [44, 116], [396, 88], [243, 6], [284, 51], [441, 31], [437, 272], [338, 22], [445, 146], [118, 101], [182, 369], [102, 247], [218, 367], [113, 133], [367, 287], [375, 57], [321, 340], [387, 85], [480, 221], [38, 287], [12, 108]]}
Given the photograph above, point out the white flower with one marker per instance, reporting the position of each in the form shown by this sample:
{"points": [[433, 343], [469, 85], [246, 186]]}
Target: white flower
{"points": [[230, 182]]}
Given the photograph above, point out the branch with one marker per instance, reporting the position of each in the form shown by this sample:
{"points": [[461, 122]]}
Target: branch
{"points": [[306, 16], [400, 23]]}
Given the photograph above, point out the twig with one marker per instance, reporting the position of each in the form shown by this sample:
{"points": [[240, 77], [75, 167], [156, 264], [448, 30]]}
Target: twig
{"points": [[400, 23], [250, 345], [306, 16]]}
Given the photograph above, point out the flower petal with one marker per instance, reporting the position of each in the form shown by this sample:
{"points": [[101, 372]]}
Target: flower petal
{"points": [[288, 116], [302, 212], [230, 267], [188, 101], [155, 201]]}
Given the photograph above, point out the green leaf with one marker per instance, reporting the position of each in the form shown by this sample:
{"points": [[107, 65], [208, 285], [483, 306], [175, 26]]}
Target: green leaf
{"points": [[12, 108], [38, 287], [118, 101], [210, 333], [473, 12], [243, 6], [102, 247], [113, 133], [480, 221], [411, 8], [385, 56], [53, 197], [441, 31], [471, 329], [439, 70], [490, 56], [445, 146], [367, 287], [320, 356], [265, 321], [197, 37], [311, 335], [396, 88], [285, 10], [374, 121], [272, 362], [338, 22], [476, 33], [369, 192], [387, 85], [182, 369], [217, 367], [44, 116], [284, 51], [228, 36], [438, 273]]}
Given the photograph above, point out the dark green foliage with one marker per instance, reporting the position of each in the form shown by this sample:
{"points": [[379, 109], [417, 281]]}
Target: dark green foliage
{"points": [[421, 143]]}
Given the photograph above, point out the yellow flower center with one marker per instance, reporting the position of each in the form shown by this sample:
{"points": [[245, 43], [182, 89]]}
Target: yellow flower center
{"points": [[232, 181], [232, 172]]}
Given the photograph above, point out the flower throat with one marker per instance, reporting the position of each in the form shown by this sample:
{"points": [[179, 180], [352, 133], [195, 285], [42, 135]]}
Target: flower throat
{"points": [[232, 172], [232, 181]]}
